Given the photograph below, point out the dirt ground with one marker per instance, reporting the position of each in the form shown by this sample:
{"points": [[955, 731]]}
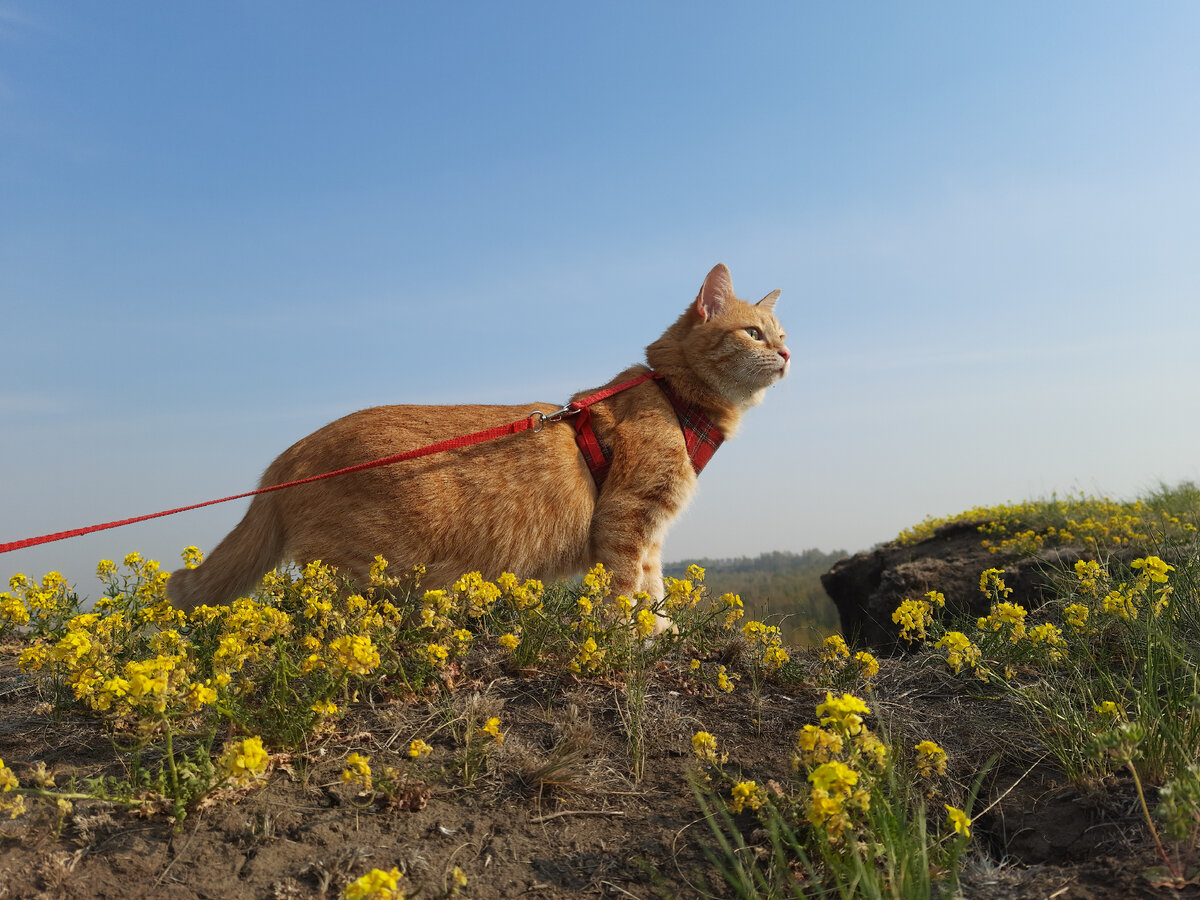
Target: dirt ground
{"points": [[556, 813]]}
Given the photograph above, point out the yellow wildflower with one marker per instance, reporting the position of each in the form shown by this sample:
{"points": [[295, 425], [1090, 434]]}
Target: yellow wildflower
{"points": [[418, 748], [834, 778], [480, 595], [704, 745], [873, 750], [358, 771], [73, 646], [834, 649], [199, 695], [1121, 603], [844, 713], [8, 781], [930, 759], [746, 793], [1050, 636], [724, 683], [42, 776], [646, 621], [245, 761], [1076, 616], [775, 657], [520, 596], [912, 616], [150, 680], [33, 658], [355, 653], [509, 641], [959, 819], [825, 810], [1005, 616], [815, 746], [325, 708], [868, 665], [492, 727], [14, 806], [733, 603], [1088, 572], [993, 585], [1153, 568], [379, 576], [755, 631], [12, 610], [437, 654], [589, 655], [1109, 711], [959, 650], [375, 885], [681, 593], [597, 582]]}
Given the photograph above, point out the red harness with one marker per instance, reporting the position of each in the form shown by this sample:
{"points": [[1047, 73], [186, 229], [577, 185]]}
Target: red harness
{"points": [[701, 436]]}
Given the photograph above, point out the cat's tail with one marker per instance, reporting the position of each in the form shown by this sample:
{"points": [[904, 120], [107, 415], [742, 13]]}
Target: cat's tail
{"points": [[234, 568]]}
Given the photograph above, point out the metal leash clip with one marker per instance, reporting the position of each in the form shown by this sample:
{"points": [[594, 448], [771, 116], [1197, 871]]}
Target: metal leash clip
{"points": [[556, 416]]}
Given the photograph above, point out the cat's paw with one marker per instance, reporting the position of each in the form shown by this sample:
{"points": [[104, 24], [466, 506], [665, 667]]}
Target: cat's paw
{"points": [[664, 625]]}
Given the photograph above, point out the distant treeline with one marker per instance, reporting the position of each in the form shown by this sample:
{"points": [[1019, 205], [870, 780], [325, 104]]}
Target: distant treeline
{"points": [[784, 588]]}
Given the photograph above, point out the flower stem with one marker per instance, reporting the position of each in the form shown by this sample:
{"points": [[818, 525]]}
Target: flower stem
{"points": [[1149, 821]]}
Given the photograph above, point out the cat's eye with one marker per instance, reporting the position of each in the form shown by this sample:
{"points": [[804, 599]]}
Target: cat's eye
{"points": [[754, 333]]}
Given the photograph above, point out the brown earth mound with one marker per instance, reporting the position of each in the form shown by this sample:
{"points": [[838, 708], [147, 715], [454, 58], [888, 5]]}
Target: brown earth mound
{"points": [[557, 812]]}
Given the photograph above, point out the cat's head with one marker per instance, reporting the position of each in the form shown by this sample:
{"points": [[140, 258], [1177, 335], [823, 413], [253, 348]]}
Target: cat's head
{"points": [[733, 347]]}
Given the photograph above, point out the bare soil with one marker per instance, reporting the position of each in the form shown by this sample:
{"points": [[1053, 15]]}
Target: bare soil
{"points": [[556, 813]]}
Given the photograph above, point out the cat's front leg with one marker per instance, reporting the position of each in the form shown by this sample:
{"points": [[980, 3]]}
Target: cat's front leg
{"points": [[649, 482], [639, 577], [627, 539]]}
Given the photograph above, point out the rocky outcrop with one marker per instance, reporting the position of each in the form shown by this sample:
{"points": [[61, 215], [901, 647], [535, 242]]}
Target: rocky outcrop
{"points": [[867, 587]]}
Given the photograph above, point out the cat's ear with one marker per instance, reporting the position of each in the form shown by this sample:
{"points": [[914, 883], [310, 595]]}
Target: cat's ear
{"points": [[768, 302], [716, 292]]}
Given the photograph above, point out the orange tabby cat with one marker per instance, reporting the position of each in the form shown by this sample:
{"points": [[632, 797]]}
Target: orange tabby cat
{"points": [[526, 503]]}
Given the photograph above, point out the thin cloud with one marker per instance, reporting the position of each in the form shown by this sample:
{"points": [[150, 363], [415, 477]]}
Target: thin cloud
{"points": [[14, 21], [31, 405]]}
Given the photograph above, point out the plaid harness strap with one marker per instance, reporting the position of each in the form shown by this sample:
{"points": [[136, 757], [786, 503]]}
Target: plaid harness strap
{"points": [[700, 435]]}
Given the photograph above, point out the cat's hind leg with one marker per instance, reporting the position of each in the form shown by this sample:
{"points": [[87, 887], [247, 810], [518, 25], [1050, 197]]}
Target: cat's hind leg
{"points": [[253, 548]]}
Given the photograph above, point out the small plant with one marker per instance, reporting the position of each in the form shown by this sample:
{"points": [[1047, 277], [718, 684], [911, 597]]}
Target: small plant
{"points": [[842, 669], [846, 826]]}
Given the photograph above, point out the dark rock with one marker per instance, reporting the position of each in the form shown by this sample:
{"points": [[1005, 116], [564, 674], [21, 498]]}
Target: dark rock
{"points": [[867, 587]]}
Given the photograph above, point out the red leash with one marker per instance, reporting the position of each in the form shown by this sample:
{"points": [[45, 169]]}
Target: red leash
{"points": [[534, 420]]}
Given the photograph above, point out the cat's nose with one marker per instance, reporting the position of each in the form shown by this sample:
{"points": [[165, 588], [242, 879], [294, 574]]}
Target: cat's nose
{"points": [[785, 353]]}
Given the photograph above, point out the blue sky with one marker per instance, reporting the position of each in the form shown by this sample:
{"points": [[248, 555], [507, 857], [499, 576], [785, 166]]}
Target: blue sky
{"points": [[225, 224]]}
